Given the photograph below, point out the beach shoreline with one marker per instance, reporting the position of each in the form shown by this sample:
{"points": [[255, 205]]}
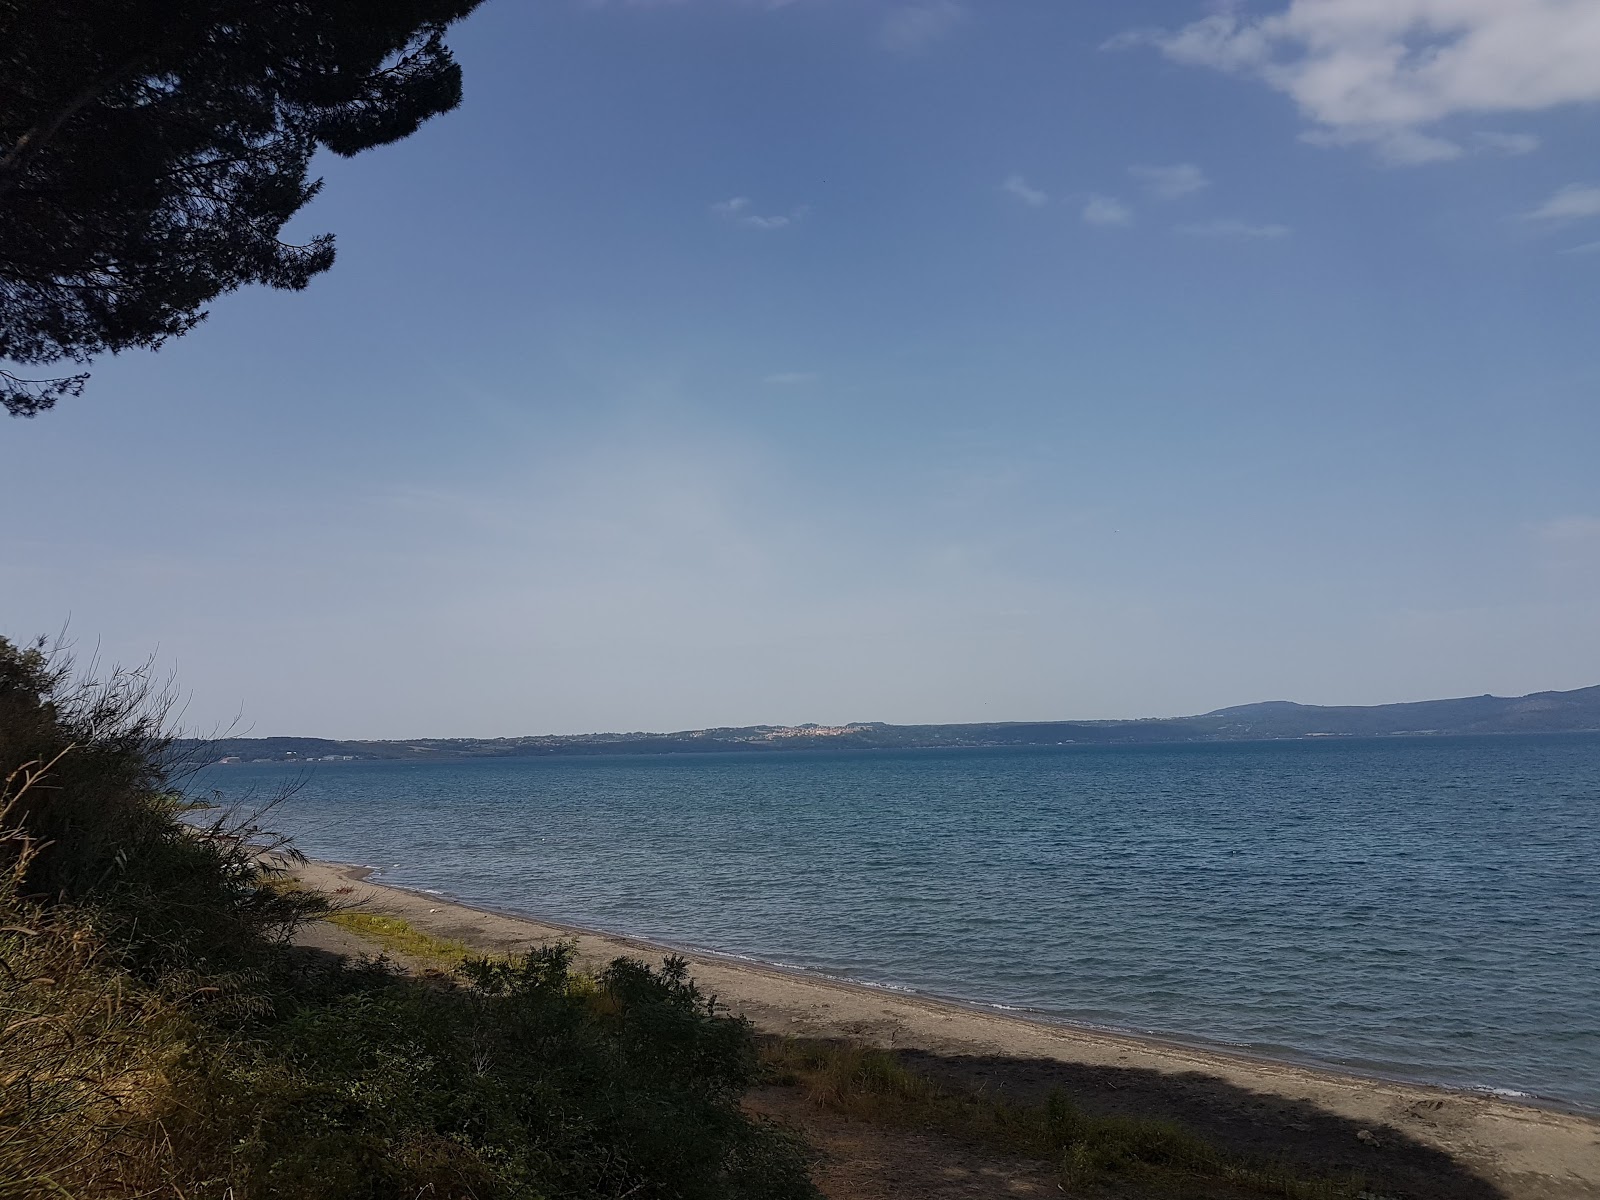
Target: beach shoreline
{"points": [[1047, 1021], [1527, 1147]]}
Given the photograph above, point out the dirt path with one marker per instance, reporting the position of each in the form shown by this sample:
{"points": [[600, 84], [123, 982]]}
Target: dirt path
{"points": [[1419, 1141]]}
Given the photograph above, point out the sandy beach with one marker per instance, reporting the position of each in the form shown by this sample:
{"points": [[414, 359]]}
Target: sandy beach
{"points": [[1433, 1141]]}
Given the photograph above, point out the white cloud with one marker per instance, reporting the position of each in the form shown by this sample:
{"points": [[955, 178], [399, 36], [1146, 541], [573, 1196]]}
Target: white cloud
{"points": [[738, 211], [1106, 210], [1507, 143], [1171, 183], [912, 28], [1230, 228], [1018, 187], [1586, 248], [1380, 71], [1396, 147], [1573, 202]]}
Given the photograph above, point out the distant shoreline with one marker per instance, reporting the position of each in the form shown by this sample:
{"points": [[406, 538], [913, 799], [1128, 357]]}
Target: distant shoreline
{"points": [[1573, 712], [1507, 1137]]}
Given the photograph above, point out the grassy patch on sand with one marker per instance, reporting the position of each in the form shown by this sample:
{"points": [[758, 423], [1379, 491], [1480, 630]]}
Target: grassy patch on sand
{"points": [[1096, 1155], [398, 936]]}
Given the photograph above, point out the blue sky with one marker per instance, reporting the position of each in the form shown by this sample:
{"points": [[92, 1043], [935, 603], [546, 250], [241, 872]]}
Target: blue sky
{"points": [[721, 362]]}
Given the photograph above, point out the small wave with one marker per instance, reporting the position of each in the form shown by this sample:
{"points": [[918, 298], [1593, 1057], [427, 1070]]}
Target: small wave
{"points": [[710, 953], [797, 968], [888, 987]]}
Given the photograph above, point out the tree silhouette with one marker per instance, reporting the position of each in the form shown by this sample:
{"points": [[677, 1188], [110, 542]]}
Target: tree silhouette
{"points": [[151, 152]]}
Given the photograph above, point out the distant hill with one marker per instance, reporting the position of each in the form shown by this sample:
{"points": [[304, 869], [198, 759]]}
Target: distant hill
{"points": [[1542, 712]]}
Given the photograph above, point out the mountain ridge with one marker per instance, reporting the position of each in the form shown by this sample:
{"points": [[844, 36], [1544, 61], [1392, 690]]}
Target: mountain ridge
{"points": [[1575, 711]]}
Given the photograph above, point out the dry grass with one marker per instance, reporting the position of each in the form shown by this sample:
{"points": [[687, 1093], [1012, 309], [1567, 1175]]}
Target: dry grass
{"points": [[79, 1056], [85, 1050]]}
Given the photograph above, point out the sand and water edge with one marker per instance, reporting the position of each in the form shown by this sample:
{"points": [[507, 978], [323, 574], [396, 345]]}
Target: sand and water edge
{"points": [[1499, 1146]]}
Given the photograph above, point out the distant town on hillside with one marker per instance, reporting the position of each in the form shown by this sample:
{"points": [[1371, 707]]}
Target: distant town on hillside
{"points": [[1542, 712]]}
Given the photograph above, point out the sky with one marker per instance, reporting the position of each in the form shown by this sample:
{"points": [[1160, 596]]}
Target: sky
{"points": [[721, 362]]}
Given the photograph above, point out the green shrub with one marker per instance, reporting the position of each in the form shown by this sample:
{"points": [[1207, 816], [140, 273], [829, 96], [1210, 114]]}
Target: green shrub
{"points": [[158, 1037], [105, 821]]}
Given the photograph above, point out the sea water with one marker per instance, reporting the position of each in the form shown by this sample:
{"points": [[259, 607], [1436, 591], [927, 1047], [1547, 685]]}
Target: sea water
{"points": [[1426, 908]]}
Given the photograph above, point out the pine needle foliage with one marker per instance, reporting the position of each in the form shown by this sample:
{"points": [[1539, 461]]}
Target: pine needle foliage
{"points": [[151, 152]]}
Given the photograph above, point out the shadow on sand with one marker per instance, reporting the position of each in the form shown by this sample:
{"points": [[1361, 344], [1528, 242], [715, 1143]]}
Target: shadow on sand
{"points": [[1260, 1126]]}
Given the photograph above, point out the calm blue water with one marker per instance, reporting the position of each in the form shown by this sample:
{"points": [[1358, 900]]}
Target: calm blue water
{"points": [[1427, 908]]}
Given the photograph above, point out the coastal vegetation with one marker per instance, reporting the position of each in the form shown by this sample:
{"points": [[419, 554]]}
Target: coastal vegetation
{"points": [[161, 1036]]}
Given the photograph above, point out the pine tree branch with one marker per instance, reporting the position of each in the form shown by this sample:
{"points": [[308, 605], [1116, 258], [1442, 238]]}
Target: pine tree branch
{"points": [[35, 139]]}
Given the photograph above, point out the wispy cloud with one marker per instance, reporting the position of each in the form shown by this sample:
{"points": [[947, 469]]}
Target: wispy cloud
{"points": [[1569, 546], [1171, 183], [1507, 143], [1018, 187], [1393, 147], [631, 3], [1571, 203], [1586, 248], [1106, 211], [770, 4], [1380, 74], [1238, 230], [1569, 531], [912, 28], [737, 210], [790, 378]]}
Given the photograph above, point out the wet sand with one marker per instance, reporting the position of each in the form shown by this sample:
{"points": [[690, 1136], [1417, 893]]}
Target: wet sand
{"points": [[1444, 1142]]}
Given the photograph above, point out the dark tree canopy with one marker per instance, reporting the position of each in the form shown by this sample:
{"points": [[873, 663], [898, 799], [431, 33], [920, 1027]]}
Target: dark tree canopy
{"points": [[151, 152]]}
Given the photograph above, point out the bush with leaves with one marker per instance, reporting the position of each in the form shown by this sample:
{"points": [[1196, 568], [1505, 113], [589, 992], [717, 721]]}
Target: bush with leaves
{"points": [[105, 820], [158, 1036], [528, 1081]]}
